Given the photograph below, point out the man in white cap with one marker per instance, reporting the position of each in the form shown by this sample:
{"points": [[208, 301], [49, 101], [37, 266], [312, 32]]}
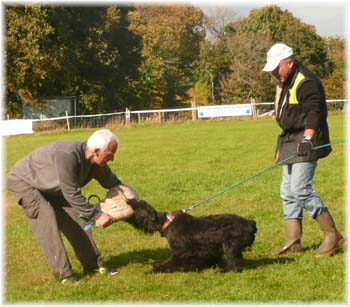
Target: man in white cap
{"points": [[301, 112]]}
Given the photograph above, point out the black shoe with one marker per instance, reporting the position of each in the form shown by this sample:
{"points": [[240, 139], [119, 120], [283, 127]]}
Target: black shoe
{"points": [[69, 281]]}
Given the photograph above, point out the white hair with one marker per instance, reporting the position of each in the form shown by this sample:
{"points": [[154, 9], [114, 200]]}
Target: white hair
{"points": [[100, 139]]}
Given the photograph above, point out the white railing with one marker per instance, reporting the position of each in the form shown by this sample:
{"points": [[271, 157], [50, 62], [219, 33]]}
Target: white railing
{"points": [[138, 116], [127, 113]]}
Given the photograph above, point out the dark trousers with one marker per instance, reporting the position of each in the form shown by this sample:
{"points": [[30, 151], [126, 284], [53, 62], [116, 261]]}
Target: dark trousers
{"points": [[48, 217]]}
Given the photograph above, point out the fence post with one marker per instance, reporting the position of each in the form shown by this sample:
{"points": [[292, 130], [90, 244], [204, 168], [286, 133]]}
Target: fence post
{"points": [[193, 106], [138, 118], [252, 101], [68, 126], [127, 117]]}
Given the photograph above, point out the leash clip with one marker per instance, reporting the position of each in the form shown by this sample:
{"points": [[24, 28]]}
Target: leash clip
{"points": [[90, 224], [94, 196]]}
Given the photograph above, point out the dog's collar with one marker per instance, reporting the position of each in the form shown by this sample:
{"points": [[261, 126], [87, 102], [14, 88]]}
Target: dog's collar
{"points": [[169, 218]]}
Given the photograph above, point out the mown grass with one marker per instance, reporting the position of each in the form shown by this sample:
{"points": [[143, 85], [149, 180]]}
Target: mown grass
{"points": [[173, 167]]}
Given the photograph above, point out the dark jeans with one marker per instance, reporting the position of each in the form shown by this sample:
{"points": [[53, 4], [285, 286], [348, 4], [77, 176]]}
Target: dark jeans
{"points": [[48, 217]]}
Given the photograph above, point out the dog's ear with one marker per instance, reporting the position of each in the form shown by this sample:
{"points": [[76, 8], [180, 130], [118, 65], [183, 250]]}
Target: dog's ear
{"points": [[162, 216], [132, 201], [135, 204]]}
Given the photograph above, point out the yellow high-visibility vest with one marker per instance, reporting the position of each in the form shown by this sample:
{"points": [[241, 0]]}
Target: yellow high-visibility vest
{"points": [[293, 91]]}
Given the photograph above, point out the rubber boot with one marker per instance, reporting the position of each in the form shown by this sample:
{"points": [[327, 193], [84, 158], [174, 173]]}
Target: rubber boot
{"points": [[332, 240], [293, 235]]}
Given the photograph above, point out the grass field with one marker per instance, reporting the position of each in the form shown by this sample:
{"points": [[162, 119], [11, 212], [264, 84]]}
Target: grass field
{"points": [[173, 167]]}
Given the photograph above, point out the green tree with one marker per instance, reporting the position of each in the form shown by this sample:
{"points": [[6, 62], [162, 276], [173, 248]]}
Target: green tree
{"points": [[99, 55], [199, 94], [335, 82], [215, 58], [244, 79], [235, 61], [242, 52], [171, 36], [87, 52], [30, 59], [282, 26], [206, 71]]}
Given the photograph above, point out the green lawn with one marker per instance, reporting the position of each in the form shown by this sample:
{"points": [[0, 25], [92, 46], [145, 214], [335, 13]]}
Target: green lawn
{"points": [[173, 167]]}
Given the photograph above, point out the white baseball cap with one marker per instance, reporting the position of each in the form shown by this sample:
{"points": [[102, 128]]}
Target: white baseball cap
{"points": [[277, 53]]}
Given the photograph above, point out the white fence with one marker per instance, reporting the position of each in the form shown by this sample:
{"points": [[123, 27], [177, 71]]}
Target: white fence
{"points": [[127, 117]]}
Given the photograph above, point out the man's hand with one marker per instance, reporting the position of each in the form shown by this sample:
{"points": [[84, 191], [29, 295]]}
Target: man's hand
{"points": [[305, 147], [104, 220]]}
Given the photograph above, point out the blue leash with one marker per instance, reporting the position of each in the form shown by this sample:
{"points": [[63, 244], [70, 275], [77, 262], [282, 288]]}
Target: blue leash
{"points": [[254, 176]]}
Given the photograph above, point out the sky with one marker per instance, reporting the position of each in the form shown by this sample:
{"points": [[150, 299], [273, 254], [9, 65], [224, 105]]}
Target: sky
{"points": [[329, 17]]}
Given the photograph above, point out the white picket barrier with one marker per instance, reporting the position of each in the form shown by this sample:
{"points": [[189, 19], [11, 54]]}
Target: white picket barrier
{"points": [[10, 127]]}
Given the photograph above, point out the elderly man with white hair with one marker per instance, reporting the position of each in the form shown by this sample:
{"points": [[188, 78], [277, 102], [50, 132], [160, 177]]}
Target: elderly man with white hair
{"points": [[47, 185]]}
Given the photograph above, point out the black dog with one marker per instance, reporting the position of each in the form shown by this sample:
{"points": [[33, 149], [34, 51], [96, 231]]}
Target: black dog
{"points": [[196, 242]]}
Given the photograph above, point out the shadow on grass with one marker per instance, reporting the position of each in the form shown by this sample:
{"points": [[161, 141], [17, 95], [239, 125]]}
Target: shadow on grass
{"points": [[150, 256], [254, 263], [140, 256]]}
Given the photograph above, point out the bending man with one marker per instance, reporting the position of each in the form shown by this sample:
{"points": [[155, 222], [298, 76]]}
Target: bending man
{"points": [[46, 184]]}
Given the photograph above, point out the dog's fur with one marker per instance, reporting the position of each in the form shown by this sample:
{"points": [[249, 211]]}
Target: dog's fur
{"points": [[196, 242]]}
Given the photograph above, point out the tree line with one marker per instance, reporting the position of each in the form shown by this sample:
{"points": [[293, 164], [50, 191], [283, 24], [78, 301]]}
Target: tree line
{"points": [[154, 56]]}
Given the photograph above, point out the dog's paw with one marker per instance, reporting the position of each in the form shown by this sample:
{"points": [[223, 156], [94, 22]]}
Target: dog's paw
{"points": [[162, 268], [230, 268], [157, 268]]}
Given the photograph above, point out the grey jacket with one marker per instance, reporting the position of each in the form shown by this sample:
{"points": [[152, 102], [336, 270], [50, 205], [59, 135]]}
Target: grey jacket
{"points": [[60, 169]]}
